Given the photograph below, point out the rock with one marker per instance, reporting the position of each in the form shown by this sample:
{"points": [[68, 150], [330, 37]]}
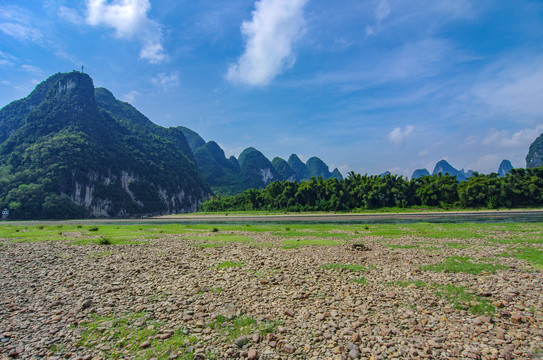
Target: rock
{"points": [[288, 348], [289, 312], [87, 303], [354, 354], [145, 345], [241, 341], [516, 318], [252, 354]]}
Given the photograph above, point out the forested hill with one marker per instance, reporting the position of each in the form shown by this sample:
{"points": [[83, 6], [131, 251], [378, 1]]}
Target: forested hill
{"points": [[70, 150]]}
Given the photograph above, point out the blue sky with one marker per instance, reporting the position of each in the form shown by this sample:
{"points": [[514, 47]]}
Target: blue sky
{"points": [[366, 85]]}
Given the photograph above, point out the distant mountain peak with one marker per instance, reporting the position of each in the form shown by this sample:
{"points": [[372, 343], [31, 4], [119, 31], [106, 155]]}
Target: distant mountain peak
{"points": [[505, 167]]}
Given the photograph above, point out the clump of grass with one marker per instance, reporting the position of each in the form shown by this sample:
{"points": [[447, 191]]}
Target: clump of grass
{"points": [[242, 325], [416, 283], [103, 240], [462, 299], [126, 334], [393, 246], [361, 280], [463, 264], [229, 264], [456, 245], [93, 228], [294, 244], [346, 267]]}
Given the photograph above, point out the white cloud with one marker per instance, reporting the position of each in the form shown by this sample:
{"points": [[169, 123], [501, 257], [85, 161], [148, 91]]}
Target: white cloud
{"points": [[21, 32], [382, 11], [6, 59], [166, 81], [32, 69], [130, 96], [270, 36], [398, 136], [129, 19], [70, 15], [514, 86], [520, 139]]}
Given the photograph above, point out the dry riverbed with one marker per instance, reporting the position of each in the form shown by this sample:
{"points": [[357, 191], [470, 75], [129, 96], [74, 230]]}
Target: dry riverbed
{"points": [[186, 296]]}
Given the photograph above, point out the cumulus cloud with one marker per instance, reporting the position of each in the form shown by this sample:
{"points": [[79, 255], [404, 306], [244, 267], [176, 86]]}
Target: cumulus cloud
{"points": [[398, 136], [270, 36], [166, 81], [129, 19], [520, 139]]}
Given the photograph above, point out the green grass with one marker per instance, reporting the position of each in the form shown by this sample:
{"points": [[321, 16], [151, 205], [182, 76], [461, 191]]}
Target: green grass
{"points": [[294, 244], [393, 246], [229, 264], [462, 299], [416, 283], [456, 245], [462, 264], [361, 280], [124, 335], [346, 267], [242, 325], [532, 256]]}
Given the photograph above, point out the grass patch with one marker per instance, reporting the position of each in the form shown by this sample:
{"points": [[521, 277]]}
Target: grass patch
{"points": [[463, 264], [361, 280], [456, 245], [460, 297], [100, 254], [464, 300], [346, 267], [229, 264], [242, 325], [124, 336], [416, 283], [392, 246], [294, 244], [532, 256]]}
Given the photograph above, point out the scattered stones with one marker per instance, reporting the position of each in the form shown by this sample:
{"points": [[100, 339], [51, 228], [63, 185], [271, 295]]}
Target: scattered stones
{"points": [[286, 304]]}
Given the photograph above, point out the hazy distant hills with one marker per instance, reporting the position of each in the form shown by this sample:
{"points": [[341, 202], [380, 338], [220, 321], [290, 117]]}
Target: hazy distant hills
{"points": [[444, 167], [251, 170]]}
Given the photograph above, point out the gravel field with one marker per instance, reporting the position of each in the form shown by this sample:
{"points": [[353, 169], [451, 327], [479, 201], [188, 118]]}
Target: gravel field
{"points": [[170, 298]]}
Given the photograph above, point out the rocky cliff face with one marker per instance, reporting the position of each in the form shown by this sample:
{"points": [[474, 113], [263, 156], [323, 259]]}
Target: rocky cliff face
{"points": [[69, 151], [535, 153]]}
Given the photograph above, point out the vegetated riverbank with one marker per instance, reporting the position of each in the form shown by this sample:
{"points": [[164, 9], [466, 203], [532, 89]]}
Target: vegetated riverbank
{"points": [[272, 291]]}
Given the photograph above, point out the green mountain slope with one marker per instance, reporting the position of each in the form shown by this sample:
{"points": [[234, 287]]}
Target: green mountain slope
{"points": [[68, 152], [535, 153], [256, 170], [283, 169], [219, 172]]}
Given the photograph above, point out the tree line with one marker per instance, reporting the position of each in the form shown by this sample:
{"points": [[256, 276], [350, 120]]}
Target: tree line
{"points": [[519, 188]]}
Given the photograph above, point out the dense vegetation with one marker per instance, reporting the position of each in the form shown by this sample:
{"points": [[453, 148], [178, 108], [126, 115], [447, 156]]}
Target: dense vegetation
{"points": [[69, 150], [519, 188]]}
